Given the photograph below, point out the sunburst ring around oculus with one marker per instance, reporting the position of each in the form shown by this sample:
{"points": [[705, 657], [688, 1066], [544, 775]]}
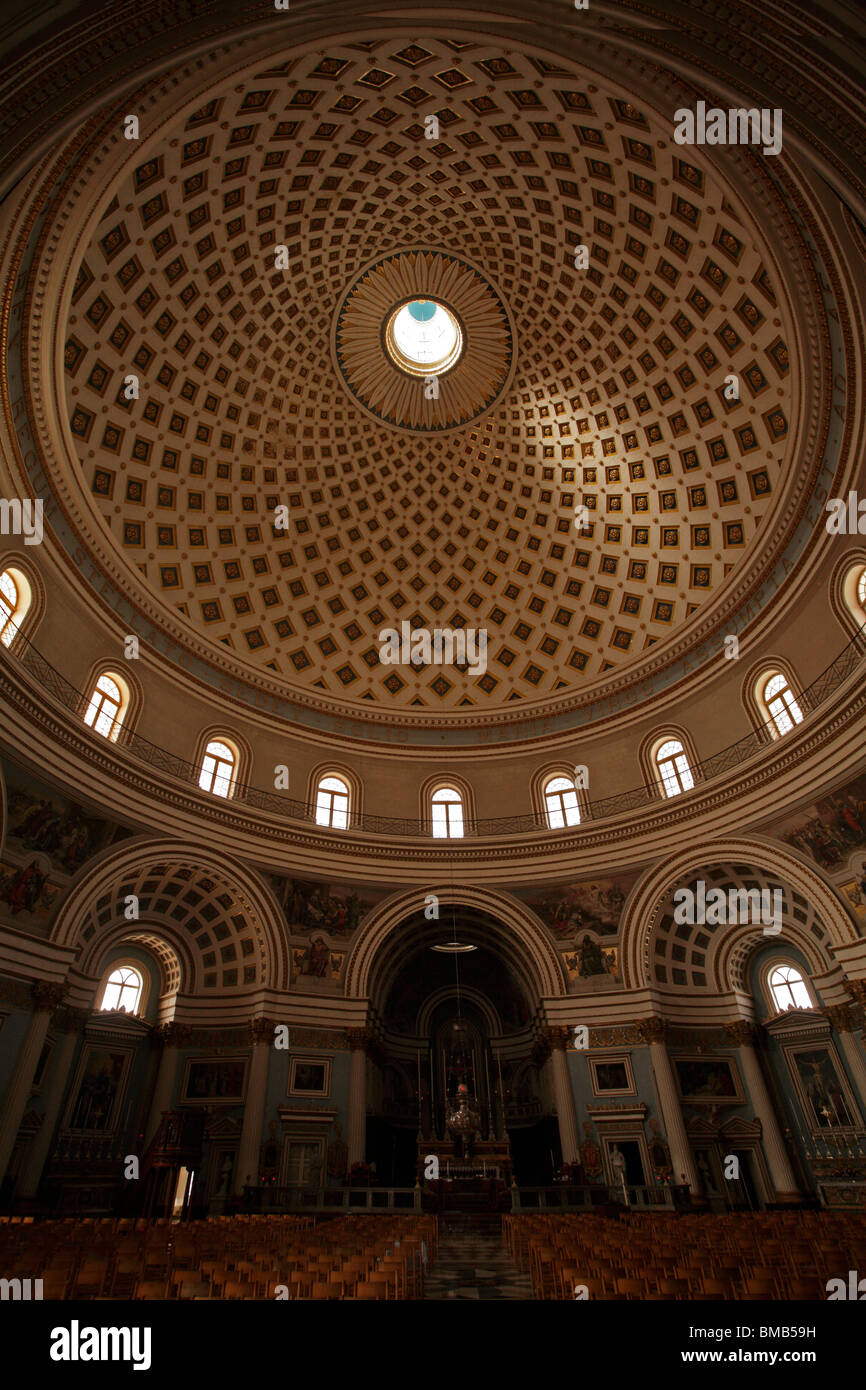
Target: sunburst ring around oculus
{"points": [[387, 368]]}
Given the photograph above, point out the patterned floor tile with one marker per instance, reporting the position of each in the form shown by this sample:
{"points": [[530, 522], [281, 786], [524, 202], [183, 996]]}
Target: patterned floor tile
{"points": [[473, 1264]]}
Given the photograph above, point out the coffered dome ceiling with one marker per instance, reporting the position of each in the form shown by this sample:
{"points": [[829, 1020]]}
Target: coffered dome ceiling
{"points": [[262, 387]]}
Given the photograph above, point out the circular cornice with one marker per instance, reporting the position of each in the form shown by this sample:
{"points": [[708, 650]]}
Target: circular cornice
{"points": [[792, 771], [408, 399]]}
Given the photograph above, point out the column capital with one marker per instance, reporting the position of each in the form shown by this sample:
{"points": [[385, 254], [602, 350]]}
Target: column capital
{"points": [[172, 1034], [843, 1017], [262, 1031], [556, 1038], [742, 1032], [652, 1029], [46, 996], [857, 990], [360, 1039]]}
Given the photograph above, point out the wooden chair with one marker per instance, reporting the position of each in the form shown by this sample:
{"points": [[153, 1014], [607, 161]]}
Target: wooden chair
{"points": [[150, 1288]]}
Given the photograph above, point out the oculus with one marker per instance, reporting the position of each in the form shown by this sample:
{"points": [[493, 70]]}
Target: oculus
{"points": [[424, 338], [423, 341]]}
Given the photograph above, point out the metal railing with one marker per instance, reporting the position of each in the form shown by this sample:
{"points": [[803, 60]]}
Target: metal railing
{"points": [[281, 804]]}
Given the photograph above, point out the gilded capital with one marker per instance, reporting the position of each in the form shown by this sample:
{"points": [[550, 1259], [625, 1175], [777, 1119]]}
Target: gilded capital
{"points": [[262, 1031], [742, 1032], [652, 1030], [46, 996], [842, 1017], [173, 1034]]}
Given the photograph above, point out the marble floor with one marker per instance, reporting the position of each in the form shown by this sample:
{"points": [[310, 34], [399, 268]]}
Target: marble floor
{"points": [[473, 1263]]}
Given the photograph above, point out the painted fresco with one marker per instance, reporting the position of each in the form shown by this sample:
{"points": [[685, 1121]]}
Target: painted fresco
{"points": [[43, 823], [311, 908], [573, 909], [591, 958], [316, 960], [27, 895], [832, 828], [854, 892]]}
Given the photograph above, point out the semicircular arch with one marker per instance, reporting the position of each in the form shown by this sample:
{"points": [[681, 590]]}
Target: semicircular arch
{"points": [[541, 965], [252, 904], [649, 895]]}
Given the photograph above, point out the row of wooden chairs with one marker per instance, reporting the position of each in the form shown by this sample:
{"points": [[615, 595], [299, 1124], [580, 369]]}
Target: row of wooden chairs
{"points": [[380, 1256], [760, 1256]]}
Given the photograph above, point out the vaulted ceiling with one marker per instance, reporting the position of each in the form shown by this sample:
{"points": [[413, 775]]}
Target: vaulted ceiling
{"points": [[608, 390]]}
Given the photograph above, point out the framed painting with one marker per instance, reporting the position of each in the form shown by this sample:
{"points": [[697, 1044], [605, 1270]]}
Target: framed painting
{"points": [[822, 1088], [97, 1093], [611, 1076], [310, 1076], [708, 1080], [210, 1080]]}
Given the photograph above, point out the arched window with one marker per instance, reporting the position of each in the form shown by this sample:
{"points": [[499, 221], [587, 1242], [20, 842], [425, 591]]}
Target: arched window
{"points": [[447, 814], [779, 699], [332, 803], [123, 989], [673, 768], [218, 768], [560, 803], [789, 989], [108, 705], [8, 607], [15, 599], [848, 591]]}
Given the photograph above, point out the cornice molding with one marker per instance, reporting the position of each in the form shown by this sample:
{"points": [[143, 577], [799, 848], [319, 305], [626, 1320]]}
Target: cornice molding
{"points": [[792, 771]]}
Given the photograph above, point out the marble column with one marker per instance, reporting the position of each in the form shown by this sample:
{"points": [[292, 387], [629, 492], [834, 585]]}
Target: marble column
{"points": [[845, 1020], [566, 1114], [359, 1040], [72, 1022], [247, 1166], [743, 1034], [682, 1160], [172, 1036], [46, 998]]}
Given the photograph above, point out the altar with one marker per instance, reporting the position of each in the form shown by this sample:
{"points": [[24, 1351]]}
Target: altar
{"points": [[488, 1160], [468, 1194]]}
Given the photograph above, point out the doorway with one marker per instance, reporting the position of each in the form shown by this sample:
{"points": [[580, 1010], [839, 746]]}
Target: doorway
{"points": [[635, 1172]]}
